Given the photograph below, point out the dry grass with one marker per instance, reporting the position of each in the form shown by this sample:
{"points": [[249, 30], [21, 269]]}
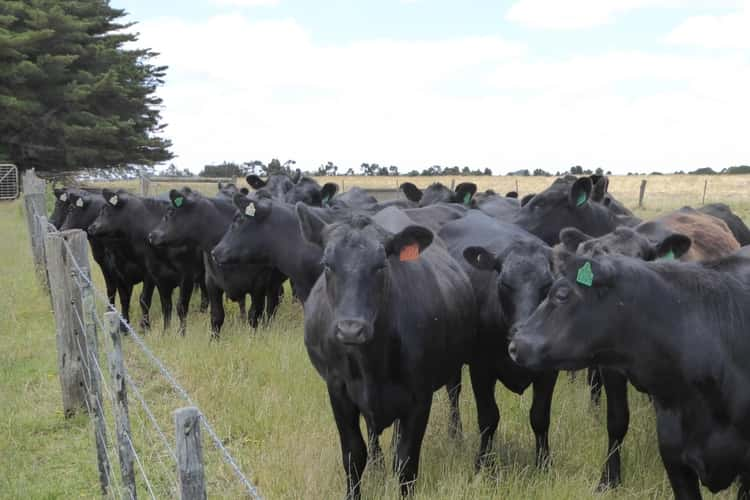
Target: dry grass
{"points": [[270, 406]]}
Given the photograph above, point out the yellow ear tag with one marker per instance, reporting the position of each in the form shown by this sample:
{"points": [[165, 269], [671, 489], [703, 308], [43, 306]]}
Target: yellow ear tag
{"points": [[64, 197], [113, 201], [250, 210], [79, 203], [409, 252]]}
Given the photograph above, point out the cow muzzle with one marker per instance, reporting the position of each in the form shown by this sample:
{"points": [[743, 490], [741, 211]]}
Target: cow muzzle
{"points": [[353, 331]]}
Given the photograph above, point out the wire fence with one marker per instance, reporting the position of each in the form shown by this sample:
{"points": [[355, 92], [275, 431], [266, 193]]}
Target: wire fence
{"points": [[148, 460]]}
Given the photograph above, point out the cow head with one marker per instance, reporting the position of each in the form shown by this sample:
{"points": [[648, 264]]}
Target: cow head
{"points": [[523, 278], [358, 257], [439, 193], [113, 219], [560, 205], [176, 227], [246, 240], [84, 208], [62, 204], [576, 321], [626, 241]]}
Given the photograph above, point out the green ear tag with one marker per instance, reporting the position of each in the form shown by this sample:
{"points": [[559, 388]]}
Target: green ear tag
{"points": [[668, 256], [467, 198], [178, 201], [581, 199], [585, 275]]}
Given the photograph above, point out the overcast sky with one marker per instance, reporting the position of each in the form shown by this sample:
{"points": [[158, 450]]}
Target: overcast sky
{"points": [[626, 85]]}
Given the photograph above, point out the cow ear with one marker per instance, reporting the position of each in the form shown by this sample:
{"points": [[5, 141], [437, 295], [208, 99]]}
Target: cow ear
{"points": [[244, 191], [255, 182], [327, 192], [297, 176], [240, 201], [601, 184], [673, 247], [177, 198], [310, 224], [571, 237], [59, 193], [480, 258], [465, 192], [115, 199], [409, 243], [580, 192], [412, 192], [511, 194], [527, 198]]}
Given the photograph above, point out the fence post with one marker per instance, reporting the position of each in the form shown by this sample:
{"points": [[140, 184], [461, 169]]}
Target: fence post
{"points": [[88, 306], [145, 185], [122, 418], [42, 228], [642, 193], [190, 475], [35, 206], [705, 187], [70, 350]]}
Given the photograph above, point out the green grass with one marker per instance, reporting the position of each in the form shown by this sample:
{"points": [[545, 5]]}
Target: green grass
{"points": [[271, 410]]}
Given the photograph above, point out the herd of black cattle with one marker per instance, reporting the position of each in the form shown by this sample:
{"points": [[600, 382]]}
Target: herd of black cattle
{"points": [[399, 295]]}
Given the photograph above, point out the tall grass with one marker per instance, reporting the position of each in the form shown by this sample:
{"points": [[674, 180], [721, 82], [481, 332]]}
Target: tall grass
{"points": [[271, 410]]}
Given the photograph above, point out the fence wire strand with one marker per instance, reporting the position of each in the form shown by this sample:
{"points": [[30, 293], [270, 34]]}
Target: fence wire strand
{"points": [[224, 452]]}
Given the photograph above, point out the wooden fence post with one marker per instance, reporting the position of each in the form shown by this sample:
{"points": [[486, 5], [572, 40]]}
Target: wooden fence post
{"points": [[35, 206], [71, 349], [42, 228], [190, 475], [705, 187], [642, 193], [88, 306], [145, 185], [122, 417]]}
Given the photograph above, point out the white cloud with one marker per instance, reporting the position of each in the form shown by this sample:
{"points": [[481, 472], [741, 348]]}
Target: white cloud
{"points": [[241, 90], [578, 14], [730, 31]]}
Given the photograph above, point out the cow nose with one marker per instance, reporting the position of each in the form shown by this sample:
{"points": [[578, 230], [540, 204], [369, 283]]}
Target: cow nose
{"points": [[350, 331]]}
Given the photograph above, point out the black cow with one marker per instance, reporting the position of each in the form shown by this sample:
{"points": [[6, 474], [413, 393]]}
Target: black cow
{"points": [[510, 273], [132, 217], [380, 342], [294, 189], [355, 197], [227, 190], [63, 203], [199, 223], [736, 225], [115, 256], [567, 203], [679, 332], [439, 193]]}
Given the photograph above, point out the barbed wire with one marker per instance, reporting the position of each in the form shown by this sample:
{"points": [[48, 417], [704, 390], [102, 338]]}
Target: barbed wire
{"points": [[226, 455]]}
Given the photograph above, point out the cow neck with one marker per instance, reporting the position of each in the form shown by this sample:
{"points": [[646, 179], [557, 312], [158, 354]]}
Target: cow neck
{"points": [[147, 214], [598, 220], [291, 253], [215, 218]]}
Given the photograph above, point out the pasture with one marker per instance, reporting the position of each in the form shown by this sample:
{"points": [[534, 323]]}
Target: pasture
{"points": [[271, 409]]}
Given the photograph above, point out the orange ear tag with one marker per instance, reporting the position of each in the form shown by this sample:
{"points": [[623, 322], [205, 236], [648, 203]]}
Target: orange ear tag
{"points": [[409, 252]]}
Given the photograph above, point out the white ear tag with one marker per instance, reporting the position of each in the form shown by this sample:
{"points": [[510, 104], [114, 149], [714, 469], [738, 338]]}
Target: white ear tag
{"points": [[64, 197], [250, 210], [113, 201], [79, 203]]}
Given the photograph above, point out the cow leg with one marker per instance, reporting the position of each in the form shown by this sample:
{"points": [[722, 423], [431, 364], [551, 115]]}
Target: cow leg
{"points": [[204, 296], [743, 493], [125, 290], [243, 308], [110, 282], [483, 384], [410, 444], [255, 313], [376, 452], [145, 300], [541, 406], [618, 418], [353, 449], [273, 297], [216, 299], [183, 304], [595, 384], [453, 388], [683, 479], [165, 296]]}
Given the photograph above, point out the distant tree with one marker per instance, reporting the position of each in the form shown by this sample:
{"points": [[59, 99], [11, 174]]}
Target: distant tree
{"points": [[328, 169], [466, 171], [599, 171], [576, 170], [225, 169], [557, 174], [350, 171], [274, 167], [740, 169], [609, 172], [487, 171], [703, 171], [393, 170], [173, 171], [538, 172], [413, 173]]}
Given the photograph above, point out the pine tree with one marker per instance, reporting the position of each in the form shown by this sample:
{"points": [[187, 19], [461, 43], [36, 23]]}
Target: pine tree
{"points": [[71, 95]]}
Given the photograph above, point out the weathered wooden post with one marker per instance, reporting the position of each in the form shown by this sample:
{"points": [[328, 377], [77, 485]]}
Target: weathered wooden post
{"points": [[122, 417], [88, 306], [705, 188], [42, 228], [453, 184], [145, 184], [642, 193], [517, 191], [71, 349], [190, 475], [35, 206]]}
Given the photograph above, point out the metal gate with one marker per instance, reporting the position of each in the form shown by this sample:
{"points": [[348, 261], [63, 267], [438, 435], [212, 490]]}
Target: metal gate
{"points": [[8, 181]]}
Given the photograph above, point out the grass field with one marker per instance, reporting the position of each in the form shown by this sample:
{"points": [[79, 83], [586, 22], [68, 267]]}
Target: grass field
{"points": [[270, 407]]}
